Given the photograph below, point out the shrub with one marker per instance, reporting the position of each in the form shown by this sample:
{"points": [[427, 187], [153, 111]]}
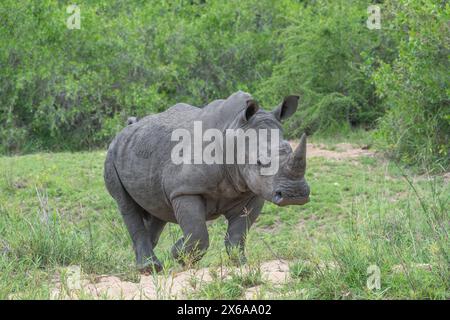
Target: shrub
{"points": [[324, 50], [74, 89], [414, 87]]}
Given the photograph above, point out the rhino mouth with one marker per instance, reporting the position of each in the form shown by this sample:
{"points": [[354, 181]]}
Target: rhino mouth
{"points": [[282, 201]]}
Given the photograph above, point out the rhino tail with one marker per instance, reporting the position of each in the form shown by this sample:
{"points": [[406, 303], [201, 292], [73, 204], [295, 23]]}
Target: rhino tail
{"points": [[132, 120]]}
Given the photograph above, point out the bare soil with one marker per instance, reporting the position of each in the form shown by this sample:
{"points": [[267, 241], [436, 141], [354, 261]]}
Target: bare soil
{"points": [[171, 286], [340, 151]]}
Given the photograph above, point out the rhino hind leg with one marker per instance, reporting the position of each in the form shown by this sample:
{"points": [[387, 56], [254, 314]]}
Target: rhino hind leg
{"points": [[154, 226], [143, 236]]}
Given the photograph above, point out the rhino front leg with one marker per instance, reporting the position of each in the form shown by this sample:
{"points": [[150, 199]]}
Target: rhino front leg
{"points": [[238, 225], [190, 213]]}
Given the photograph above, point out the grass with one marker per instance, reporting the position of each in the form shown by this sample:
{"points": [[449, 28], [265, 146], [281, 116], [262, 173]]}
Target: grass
{"points": [[55, 212]]}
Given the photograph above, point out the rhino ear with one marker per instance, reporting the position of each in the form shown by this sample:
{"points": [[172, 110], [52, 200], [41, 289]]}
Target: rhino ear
{"points": [[287, 108], [250, 109]]}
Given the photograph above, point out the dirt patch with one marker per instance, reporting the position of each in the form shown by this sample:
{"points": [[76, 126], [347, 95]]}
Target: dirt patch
{"points": [[253, 293], [446, 177], [341, 151], [171, 286], [400, 268]]}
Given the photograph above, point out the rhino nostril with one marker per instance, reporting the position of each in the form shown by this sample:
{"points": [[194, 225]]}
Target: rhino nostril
{"points": [[277, 196]]}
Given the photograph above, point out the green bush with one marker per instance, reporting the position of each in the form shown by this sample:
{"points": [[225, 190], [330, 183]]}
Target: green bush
{"points": [[73, 89], [415, 86], [67, 89], [324, 50]]}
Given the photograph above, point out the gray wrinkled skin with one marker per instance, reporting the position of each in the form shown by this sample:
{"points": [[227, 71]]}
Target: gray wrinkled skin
{"points": [[150, 190]]}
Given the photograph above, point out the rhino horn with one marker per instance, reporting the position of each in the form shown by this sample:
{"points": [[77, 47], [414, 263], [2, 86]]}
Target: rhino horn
{"points": [[297, 161]]}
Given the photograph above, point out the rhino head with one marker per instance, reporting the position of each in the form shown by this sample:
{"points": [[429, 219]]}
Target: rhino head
{"points": [[287, 186]]}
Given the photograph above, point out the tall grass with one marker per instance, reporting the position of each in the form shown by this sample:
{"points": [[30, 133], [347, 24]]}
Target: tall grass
{"points": [[362, 212], [409, 243]]}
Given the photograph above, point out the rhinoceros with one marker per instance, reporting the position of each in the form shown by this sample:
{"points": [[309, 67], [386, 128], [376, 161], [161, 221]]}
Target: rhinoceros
{"points": [[151, 190]]}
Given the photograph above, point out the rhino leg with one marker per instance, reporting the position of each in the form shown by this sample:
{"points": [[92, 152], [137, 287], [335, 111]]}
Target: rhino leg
{"points": [[154, 226], [133, 216], [190, 213], [141, 237], [238, 225]]}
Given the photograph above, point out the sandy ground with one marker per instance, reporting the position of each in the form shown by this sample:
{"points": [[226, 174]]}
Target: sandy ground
{"points": [[341, 151], [172, 286], [179, 285]]}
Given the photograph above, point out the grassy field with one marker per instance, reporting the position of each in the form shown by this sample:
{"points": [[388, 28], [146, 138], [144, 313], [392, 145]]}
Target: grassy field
{"points": [[55, 212]]}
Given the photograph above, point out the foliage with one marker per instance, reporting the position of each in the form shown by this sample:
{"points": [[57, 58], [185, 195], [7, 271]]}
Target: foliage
{"points": [[65, 89], [415, 86], [323, 60], [72, 89]]}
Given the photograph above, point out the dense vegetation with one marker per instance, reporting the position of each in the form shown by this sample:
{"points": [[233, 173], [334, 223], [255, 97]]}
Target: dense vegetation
{"points": [[73, 89]]}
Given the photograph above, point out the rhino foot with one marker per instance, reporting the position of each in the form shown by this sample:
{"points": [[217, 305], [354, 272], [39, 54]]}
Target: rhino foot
{"points": [[187, 256], [150, 267], [239, 260], [236, 255]]}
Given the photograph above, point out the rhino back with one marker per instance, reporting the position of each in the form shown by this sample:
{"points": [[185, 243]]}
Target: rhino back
{"points": [[142, 154], [142, 150]]}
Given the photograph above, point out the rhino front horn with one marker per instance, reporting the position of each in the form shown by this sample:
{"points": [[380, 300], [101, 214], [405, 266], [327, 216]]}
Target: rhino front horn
{"points": [[297, 162]]}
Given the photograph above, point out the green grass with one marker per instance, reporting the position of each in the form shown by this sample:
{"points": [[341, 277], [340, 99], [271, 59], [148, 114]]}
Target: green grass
{"points": [[56, 212]]}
